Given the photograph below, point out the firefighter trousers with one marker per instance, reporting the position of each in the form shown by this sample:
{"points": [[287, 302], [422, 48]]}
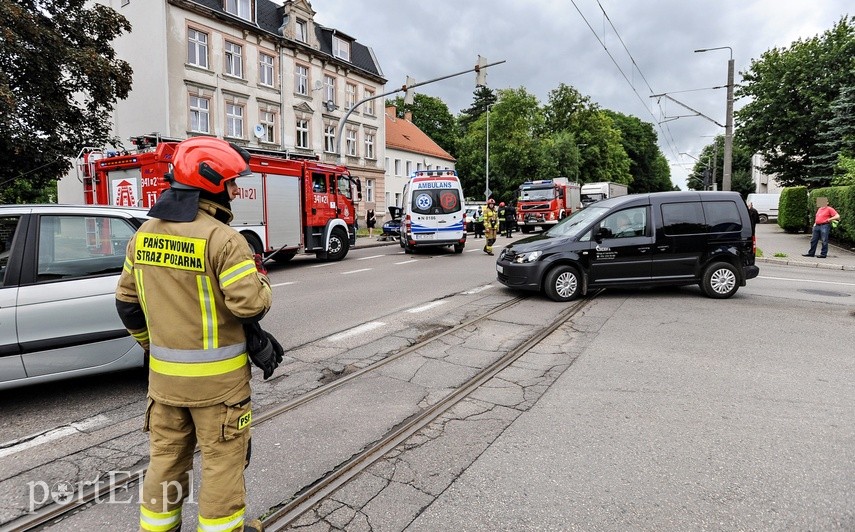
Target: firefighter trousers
{"points": [[490, 234], [222, 432]]}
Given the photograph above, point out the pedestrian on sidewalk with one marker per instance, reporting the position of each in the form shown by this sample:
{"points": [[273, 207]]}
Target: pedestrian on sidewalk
{"points": [[754, 216], [370, 222], [825, 214]]}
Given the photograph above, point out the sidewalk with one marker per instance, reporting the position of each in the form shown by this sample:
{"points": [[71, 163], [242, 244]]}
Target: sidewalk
{"points": [[772, 241]]}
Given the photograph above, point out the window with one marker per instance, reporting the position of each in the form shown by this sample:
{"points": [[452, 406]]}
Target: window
{"points": [[350, 141], [397, 166], [234, 60], [721, 216], [265, 69], [197, 48], [267, 119], [81, 246], [369, 105], [8, 226], [433, 201], [234, 120], [683, 218], [301, 80], [319, 183], [329, 89], [369, 190], [409, 167], [302, 133], [341, 48], [329, 138], [241, 8], [300, 32], [369, 145], [344, 187], [386, 165], [626, 223], [349, 96], [419, 166], [199, 115]]}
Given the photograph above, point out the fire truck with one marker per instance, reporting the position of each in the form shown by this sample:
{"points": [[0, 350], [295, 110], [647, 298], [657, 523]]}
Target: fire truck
{"points": [[544, 202], [287, 206]]}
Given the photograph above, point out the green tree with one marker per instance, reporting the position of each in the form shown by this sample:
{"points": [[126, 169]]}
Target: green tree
{"points": [[791, 92], [646, 167], [59, 81], [482, 98], [712, 158], [431, 115], [837, 136]]}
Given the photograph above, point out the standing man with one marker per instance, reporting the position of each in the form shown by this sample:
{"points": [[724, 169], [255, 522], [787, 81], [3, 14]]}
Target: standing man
{"points": [[189, 290], [502, 215], [754, 216], [510, 219], [491, 225], [825, 214]]}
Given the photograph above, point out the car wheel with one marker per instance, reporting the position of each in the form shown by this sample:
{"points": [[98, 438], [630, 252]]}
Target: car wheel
{"points": [[338, 245], [562, 283], [458, 248], [720, 280], [763, 218]]}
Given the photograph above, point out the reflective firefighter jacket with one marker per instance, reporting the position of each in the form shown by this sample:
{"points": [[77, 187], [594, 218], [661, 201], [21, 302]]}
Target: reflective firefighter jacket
{"points": [[181, 293], [491, 217]]}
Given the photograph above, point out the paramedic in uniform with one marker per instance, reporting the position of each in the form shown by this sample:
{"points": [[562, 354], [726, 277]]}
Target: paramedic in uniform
{"points": [[189, 288]]}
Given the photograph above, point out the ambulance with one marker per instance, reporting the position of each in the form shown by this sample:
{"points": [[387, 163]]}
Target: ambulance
{"points": [[433, 211]]}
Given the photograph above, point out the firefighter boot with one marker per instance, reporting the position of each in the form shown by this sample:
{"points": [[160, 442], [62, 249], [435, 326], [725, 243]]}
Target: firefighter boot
{"points": [[253, 526]]}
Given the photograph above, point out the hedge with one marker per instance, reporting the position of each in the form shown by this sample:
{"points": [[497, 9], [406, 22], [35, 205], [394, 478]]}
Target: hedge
{"points": [[793, 209]]}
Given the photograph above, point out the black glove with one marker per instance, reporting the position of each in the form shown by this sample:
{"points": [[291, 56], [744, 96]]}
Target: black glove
{"points": [[264, 351]]}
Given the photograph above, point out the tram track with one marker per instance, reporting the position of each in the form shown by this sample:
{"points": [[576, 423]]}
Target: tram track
{"points": [[100, 492]]}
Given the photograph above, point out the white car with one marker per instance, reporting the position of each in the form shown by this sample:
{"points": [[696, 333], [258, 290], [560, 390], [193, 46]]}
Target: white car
{"points": [[59, 265]]}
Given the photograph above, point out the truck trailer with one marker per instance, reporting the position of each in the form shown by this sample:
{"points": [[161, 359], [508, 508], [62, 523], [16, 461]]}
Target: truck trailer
{"points": [[592, 192]]}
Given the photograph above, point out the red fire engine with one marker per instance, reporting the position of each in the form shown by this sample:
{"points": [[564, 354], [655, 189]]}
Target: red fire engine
{"points": [[287, 206], [544, 202]]}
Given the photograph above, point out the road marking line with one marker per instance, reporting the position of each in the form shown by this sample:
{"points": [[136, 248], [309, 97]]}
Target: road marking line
{"points": [[407, 261], [35, 440], [804, 280], [324, 264], [283, 284], [356, 271], [425, 307], [365, 327], [371, 257], [476, 290]]}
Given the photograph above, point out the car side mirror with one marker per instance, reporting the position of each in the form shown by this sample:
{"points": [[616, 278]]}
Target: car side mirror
{"points": [[602, 232]]}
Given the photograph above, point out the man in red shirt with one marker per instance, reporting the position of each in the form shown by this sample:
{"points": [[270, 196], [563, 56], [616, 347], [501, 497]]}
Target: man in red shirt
{"points": [[821, 228]]}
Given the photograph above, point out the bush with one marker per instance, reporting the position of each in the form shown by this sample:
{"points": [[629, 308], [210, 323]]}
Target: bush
{"points": [[793, 210]]}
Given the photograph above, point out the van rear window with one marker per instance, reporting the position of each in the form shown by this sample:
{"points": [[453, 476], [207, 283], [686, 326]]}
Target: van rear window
{"points": [[683, 218], [436, 201], [722, 216]]}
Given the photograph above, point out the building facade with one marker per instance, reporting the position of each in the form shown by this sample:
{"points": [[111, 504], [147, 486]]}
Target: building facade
{"points": [[408, 149], [258, 73], [763, 183]]}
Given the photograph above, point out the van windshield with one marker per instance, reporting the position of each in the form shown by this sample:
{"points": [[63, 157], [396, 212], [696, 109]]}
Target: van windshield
{"points": [[576, 222], [444, 201]]}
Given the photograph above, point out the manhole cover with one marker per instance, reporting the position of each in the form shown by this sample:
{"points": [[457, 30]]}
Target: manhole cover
{"points": [[827, 293]]}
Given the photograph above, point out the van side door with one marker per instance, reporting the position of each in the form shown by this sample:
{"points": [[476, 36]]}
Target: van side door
{"points": [[623, 251], [680, 240]]}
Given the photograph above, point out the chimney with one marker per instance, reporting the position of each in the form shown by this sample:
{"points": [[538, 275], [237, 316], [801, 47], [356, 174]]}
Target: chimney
{"points": [[392, 111], [408, 116]]}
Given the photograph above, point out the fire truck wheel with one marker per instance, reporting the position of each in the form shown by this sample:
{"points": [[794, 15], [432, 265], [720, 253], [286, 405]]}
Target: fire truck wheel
{"points": [[339, 245], [254, 243]]}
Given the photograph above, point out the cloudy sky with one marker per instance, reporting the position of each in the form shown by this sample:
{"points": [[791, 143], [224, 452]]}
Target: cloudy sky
{"points": [[616, 52]]}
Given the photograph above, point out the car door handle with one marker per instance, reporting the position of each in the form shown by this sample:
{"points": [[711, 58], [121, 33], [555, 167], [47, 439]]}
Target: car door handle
{"points": [[644, 249], [662, 248]]}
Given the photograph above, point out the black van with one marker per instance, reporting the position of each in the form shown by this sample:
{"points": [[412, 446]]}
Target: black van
{"points": [[663, 238]]}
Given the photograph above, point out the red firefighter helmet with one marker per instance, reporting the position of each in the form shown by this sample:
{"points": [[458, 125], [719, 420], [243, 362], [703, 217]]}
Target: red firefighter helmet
{"points": [[207, 163], [501, 204]]}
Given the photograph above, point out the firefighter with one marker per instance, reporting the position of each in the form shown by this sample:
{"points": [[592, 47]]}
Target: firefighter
{"points": [[491, 224], [510, 219], [502, 218], [192, 294]]}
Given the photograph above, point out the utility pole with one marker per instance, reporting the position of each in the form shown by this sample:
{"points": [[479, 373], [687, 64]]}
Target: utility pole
{"points": [[728, 121]]}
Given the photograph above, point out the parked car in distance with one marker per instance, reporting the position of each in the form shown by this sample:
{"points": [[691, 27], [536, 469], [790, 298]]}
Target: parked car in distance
{"points": [[766, 205], [59, 266], [469, 219], [663, 238], [392, 226]]}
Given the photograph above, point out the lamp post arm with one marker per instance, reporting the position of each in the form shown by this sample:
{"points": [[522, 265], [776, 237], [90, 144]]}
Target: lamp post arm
{"points": [[403, 88]]}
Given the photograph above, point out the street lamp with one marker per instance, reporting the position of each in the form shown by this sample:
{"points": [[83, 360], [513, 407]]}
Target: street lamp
{"points": [[728, 124], [487, 173]]}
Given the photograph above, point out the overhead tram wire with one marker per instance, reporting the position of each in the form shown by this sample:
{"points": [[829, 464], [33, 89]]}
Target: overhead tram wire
{"points": [[669, 137]]}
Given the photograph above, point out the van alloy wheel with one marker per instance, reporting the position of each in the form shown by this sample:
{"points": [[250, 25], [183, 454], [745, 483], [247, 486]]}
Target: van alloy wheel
{"points": [[562, 283], [720, 280]]}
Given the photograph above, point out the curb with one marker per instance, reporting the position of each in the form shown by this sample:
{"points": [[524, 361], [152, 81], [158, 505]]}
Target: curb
{"points": [[805, 264]]}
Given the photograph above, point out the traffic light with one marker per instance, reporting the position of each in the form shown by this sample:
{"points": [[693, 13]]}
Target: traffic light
{"points": [[481, 72], [706, 175]]}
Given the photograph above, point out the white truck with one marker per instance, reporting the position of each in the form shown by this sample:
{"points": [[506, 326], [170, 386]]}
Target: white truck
{"points": [[592, 192]]}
